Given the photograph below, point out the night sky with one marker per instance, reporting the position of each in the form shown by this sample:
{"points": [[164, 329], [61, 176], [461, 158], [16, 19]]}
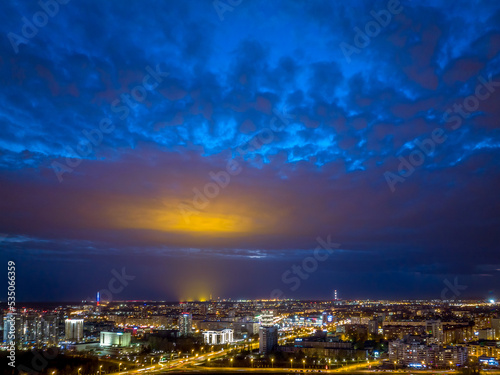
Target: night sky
{"points": [[210, 147]]}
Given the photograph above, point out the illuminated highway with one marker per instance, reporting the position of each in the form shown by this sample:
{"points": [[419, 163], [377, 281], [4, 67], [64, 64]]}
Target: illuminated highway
{"points": [[195, 361], [194, 365]]}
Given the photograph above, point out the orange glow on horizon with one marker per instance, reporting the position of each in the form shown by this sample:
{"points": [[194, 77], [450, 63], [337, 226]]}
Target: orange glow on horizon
{"points": [[221, 219], [198, 290], [173, 221]]}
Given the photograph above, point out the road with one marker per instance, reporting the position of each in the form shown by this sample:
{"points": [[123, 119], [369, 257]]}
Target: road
{"points": [[193, 365], [194, 362], [297, 368]]}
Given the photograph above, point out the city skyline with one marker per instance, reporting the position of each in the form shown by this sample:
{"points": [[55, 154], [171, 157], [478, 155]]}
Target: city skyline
{"points": [[347, 336], [245, 149]]}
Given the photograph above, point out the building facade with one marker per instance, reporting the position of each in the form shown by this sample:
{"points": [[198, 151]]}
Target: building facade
{"points": [[115, 339], [268, 339], [267, 318], [185, 324], [73, 330], [415, 351], [219, 337]]}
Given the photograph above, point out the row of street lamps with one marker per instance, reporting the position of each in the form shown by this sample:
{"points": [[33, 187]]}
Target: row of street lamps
{"points": [[291, 362]]}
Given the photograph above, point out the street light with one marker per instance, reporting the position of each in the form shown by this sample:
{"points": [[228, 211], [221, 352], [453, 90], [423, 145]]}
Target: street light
{"points": [[291, 363], [252, 362], [119, 367], [231, 360], [272, 362], [394, 365], [100, 370], [304, 363], [80, 369]]}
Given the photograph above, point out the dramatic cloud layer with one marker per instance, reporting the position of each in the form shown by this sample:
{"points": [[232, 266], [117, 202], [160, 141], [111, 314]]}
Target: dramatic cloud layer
{"points": [[206, 146]]}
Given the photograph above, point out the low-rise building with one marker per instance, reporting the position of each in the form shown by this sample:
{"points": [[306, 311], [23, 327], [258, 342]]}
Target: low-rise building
{"points": [[115, 339], [219, 337]]}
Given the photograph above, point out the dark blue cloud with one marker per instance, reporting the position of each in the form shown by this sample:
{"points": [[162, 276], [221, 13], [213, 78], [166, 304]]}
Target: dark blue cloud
{"points": [[76, 76]]}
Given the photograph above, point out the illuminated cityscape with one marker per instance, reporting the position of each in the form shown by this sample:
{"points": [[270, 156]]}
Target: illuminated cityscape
{"points": [[249, 186], [346, 335]]}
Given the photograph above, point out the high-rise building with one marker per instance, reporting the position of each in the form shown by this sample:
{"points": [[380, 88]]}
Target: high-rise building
{"points": [[373, 326], [50, 329], [74, 330], [185, 324], [435, 329], [31, 330], [495, 325], [9, 327], [7, 323], [267, 318], [268, 339], [13, 324]]}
